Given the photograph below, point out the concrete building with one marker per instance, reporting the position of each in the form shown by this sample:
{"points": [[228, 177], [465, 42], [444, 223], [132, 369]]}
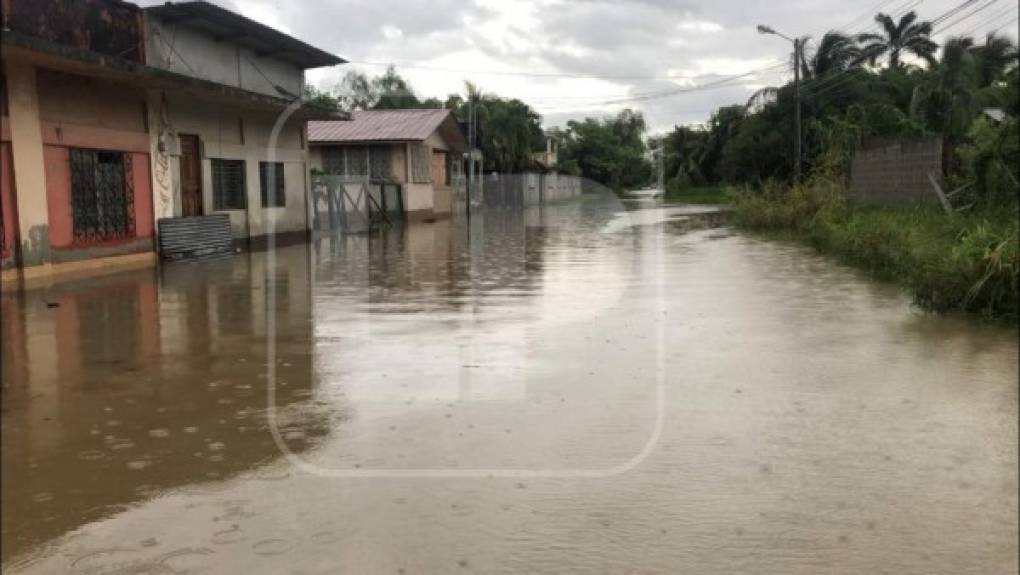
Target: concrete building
{"points": [[419, 151], [115, 117]]}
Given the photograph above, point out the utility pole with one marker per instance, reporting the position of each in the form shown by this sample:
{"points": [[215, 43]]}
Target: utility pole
{"points": [[798, 49], [471, 153], [661, 165]]}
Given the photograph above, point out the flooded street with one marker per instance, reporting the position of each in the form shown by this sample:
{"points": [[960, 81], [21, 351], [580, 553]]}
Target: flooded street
{"points": [[576, 388]]}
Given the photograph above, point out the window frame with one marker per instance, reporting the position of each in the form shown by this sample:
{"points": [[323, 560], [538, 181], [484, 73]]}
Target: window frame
{"points": [[218, 196], [280, 194], [100, 208]]}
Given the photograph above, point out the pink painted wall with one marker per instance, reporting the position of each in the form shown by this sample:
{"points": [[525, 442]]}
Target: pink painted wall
{"points": [[143, 195], [57, 160]]}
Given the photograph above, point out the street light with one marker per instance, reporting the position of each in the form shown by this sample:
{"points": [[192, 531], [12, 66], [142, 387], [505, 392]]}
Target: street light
{"points": [[798, 46]]}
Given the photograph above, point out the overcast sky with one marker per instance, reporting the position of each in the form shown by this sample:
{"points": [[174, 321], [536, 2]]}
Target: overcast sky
{"points": [[636, 47]]}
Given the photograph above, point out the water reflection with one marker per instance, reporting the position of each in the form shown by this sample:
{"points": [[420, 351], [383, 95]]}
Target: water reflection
{"points": [[814, 421], [122, 388]]}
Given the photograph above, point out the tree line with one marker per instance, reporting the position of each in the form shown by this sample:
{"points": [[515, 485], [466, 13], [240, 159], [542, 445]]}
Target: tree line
{"points": [[509, 131], [897, 83]]}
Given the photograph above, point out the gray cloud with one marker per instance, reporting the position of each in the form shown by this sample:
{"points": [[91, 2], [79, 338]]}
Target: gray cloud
{"points": [[571, 37]]}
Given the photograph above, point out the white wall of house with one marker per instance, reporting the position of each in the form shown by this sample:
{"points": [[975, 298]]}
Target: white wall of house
{"points": [[185, 50], [226, 132]]}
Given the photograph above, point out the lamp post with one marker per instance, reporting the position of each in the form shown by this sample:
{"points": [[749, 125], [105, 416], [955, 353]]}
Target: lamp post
{"points": [[798, 48]]}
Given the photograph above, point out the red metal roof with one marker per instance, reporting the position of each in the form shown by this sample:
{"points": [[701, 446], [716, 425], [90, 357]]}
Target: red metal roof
{"points": [[380, 126]]}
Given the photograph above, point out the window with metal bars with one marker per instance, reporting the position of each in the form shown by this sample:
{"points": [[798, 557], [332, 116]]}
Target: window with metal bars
{"points": [[379, 161], [358, 161], [228, 185], [271, 182], [102, 195], [333, 160]]}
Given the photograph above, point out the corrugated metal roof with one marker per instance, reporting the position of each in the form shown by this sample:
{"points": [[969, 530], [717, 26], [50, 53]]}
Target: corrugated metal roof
{"points": [[379, 126]]}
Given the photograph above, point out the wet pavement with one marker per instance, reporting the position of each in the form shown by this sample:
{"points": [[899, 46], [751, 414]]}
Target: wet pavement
{"points": [[580, 388]]}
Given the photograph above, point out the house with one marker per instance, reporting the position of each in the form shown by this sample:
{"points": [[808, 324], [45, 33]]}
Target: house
{"points": [[217, 152], [418, 151], [116, 116]]}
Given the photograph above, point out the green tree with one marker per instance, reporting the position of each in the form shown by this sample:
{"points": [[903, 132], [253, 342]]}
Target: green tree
{"points": [[946, 99], [836, 53], [906, 36], [995, 58], [320, 98], [609, 151], [508, 130]]}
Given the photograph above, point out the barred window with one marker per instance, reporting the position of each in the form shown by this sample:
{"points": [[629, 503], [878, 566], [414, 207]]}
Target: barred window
{"points": [[102, 195], [379, 163], [271, 182], [357, 160], [333, 160], [228, 185]]}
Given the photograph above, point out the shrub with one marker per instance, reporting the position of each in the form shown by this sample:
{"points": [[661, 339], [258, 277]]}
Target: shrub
{"points": [[948, 262]]}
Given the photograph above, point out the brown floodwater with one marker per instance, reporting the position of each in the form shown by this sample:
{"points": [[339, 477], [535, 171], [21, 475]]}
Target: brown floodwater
{"points": [[580, 388]]}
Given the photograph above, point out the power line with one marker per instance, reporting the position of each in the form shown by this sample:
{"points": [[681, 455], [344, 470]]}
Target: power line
{"points": [[952, 11], [994, 18], [968, 16], [841, 78], [1010, 21], [478, 72], [674, 92]]}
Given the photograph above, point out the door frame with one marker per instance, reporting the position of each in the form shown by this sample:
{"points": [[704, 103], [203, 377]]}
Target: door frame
{"points": [[198, 174]]}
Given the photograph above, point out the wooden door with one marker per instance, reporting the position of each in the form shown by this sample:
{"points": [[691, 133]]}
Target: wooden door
{"points": [[191, 176], [439, 170]]}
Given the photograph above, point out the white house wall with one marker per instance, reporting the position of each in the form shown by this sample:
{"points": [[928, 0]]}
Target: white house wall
{"points": [[181, 49], [232, 134]]}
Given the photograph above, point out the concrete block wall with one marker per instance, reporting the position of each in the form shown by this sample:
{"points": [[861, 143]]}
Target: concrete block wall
{"points": [[895, 172]]}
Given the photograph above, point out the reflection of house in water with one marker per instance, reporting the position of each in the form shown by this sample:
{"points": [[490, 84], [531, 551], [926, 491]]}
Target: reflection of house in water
{"points": [[136, 384], [411, 293]]}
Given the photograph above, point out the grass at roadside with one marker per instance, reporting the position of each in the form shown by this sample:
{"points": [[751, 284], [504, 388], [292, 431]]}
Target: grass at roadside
{"points": [[959, 262], [696, 195]]}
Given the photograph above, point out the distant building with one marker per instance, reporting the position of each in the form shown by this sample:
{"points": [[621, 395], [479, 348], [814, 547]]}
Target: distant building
{"points": [[115, 117], [548, 158], [421, 151]]}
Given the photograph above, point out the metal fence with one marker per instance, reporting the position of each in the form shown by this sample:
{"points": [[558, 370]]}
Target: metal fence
{"points": [[354, 205], [516, 190]]}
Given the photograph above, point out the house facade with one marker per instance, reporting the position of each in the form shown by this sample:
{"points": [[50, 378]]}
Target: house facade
{"points": [[110, 126], [416, 153]]}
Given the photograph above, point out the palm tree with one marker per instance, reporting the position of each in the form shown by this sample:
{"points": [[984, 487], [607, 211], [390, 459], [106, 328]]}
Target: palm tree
{"points": [[836, 53], [908, 36], [947, 98], [994, 59]]}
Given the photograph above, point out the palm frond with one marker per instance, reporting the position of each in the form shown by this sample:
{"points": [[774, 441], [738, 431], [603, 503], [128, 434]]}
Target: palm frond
{"points": [[763, 97]]}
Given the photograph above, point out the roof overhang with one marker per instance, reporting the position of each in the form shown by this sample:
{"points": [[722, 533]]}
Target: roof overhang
{"points": [[46, 54], [225, 25]]}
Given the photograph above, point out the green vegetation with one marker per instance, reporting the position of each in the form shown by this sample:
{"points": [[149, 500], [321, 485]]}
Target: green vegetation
{"points": [[949, 263], [962, 261], [849, 97], [696, 194], [610, 151]]}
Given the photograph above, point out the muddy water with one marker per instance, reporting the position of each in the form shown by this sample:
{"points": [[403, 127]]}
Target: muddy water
{"points": [[581, 388]]}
